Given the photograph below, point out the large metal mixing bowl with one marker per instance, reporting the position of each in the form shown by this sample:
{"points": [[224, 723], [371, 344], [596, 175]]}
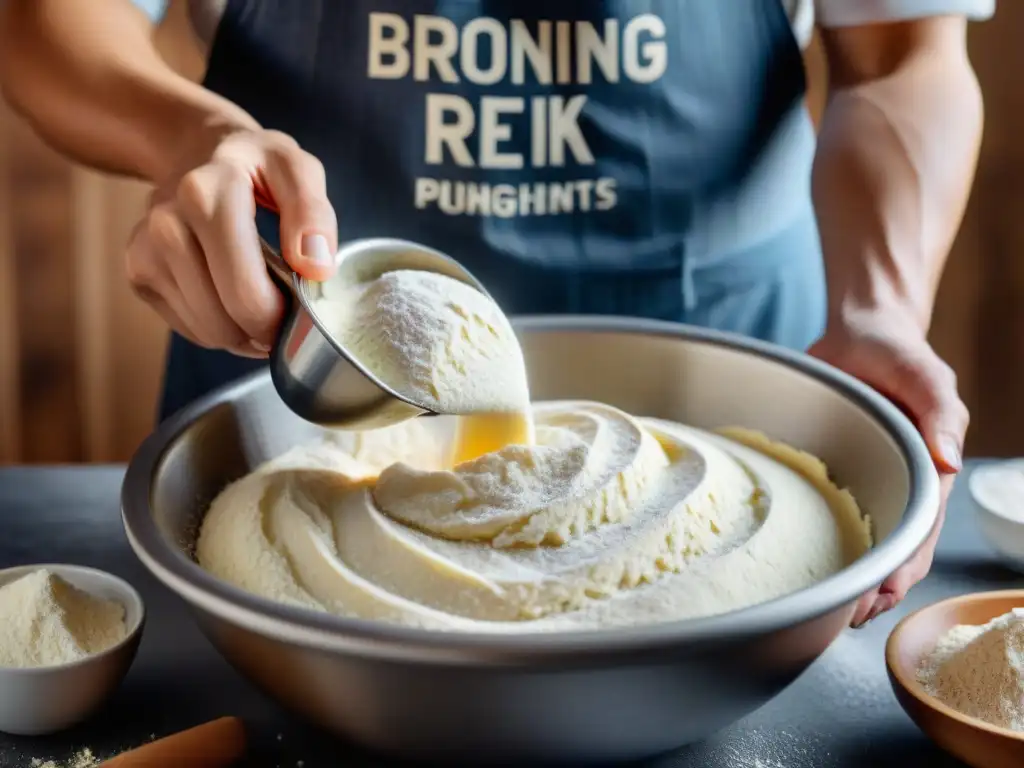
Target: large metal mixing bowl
{"points": [[582, 696]]}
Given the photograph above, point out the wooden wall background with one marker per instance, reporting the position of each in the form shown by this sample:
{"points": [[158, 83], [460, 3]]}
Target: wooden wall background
{"points": [[81, 358]]}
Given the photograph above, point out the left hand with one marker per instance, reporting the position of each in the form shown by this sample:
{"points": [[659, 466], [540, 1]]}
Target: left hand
{"points": [[887, 350]]}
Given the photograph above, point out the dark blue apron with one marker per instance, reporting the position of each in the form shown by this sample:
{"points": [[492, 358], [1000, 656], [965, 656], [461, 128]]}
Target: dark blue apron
{"points": [[633, 157]]}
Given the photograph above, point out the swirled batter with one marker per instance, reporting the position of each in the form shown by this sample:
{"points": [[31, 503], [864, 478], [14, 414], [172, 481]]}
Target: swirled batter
{"points": [[587, 517], [607, 521]]}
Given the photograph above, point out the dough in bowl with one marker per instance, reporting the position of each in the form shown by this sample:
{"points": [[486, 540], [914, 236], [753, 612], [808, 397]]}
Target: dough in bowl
{"points": [[607, 520], [523, 518]]}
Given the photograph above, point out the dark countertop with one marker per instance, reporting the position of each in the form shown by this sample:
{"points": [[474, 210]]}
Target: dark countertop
{"points": [[840, 714]]}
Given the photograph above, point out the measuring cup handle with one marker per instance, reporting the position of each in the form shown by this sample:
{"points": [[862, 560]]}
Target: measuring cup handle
{"points": [[276, 263]]}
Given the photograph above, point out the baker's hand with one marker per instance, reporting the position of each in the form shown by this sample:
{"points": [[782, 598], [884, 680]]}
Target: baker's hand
{"points": [[195, 256], [887, 350]]}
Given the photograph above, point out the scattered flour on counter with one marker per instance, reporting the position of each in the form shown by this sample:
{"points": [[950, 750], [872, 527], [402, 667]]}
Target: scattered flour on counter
{"points": [[82, 759], [979, 670], [45, 621]]}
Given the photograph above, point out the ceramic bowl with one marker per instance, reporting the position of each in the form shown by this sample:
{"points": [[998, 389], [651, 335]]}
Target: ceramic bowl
{"points": [[1001, 515], [41, 700], [977, 743]]}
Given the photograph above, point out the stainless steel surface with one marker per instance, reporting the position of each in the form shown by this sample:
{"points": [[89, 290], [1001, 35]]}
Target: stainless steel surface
{"points": [[41, 700], [313, 372], [579, 696]]}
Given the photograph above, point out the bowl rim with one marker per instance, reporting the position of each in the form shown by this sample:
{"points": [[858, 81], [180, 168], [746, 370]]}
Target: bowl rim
{"points": [[328, 632], [909, 683], [128, 593]]}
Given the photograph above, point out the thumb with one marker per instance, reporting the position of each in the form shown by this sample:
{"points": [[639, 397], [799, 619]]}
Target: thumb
{"points": [[926, 386], [309, 228], [945, 443]]}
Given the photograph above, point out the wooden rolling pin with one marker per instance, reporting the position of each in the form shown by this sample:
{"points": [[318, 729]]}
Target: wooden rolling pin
{"points": [[216, 744]]}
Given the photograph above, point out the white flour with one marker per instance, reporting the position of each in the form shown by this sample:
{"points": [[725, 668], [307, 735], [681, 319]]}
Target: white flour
{"points": [[593, 519], [45, 621], [81, 759], [607, 521], [441, 343], [979, 670]]}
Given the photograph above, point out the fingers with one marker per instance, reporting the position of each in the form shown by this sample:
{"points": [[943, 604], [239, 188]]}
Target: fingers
{"points": [[871, 606], [216, 203], [908, 372], [196, 258], [195, 287], [928, 387], [864, 611], [152, 281], [169, 267], [899, 584], [309, 229], [884, 603], [895, 588]]}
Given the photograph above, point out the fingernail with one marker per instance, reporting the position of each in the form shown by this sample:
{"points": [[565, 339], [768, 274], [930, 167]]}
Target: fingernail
{"points": [[865, 620], [949, 450], [315, 249], [259, 347]]}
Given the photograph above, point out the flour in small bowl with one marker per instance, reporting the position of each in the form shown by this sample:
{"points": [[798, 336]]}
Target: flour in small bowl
{"points": [[979, 670], [45, 621]]}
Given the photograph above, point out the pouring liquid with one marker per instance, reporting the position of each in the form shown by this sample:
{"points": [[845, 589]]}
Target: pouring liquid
{"points": [[481, 433]]}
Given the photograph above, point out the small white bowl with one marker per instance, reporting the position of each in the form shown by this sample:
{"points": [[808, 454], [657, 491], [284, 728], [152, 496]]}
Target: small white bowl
{"points": [[40, 700], [998, 493]]}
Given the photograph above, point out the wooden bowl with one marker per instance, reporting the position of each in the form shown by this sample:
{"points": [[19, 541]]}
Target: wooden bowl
{"points": [[975, 742]]}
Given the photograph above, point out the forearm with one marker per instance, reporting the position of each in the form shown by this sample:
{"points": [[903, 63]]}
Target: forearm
{"points": [[88, 78], [895, 163]]}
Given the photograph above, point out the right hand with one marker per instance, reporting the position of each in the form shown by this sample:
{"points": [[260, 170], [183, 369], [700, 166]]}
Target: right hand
{"points": [[195, 256]]}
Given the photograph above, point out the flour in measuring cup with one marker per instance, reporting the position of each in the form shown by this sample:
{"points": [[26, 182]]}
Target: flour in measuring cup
{"points": [[432, 338], [442, 344]]}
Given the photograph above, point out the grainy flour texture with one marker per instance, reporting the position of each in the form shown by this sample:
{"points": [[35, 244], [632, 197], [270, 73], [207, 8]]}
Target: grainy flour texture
{"points": [[442, 343], [82, 759], [567, 515], [979, 670], [44, 621]]}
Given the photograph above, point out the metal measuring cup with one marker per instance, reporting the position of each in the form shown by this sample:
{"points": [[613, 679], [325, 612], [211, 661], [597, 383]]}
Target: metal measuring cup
{"points": [[313, 372]]}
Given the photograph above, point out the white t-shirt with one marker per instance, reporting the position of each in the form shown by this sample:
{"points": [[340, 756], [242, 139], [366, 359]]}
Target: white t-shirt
{"points": [[804, 14]]}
